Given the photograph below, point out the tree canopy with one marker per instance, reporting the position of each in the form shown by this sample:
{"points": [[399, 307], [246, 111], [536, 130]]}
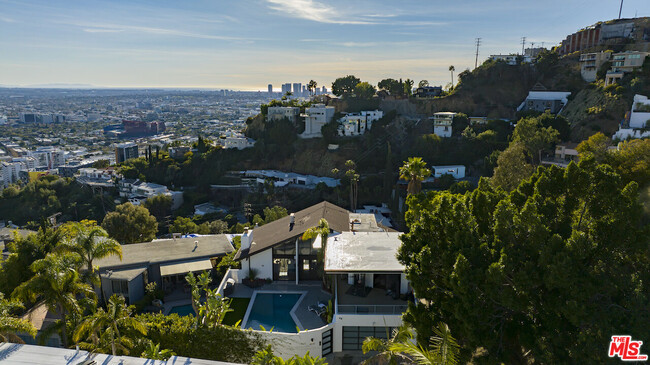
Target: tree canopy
{"points": [[344, 86], [130, 224], [547, 272]]}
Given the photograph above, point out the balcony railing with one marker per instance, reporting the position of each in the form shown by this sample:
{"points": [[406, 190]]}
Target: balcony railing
{"points": [[371, 309]]}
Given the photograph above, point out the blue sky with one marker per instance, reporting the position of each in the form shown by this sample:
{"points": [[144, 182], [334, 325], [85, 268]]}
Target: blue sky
{"points": [[247, 44]]}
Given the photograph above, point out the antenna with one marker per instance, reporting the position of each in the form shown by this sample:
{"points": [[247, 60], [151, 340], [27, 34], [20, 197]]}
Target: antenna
{"points": [[478, 43], [523, 44], [620, 10]]}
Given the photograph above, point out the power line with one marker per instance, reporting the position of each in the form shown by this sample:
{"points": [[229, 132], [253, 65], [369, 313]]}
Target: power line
{"points": [[478, 43]]}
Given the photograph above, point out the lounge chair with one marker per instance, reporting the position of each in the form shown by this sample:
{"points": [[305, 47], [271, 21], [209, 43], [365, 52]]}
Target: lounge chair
{"points": [[317, 309]]}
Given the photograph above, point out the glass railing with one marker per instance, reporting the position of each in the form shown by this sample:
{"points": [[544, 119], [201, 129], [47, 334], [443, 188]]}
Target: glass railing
{"points": [[372, 309]]}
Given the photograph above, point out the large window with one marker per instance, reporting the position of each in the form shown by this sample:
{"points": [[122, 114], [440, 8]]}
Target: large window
{"points": [[120, 287], [353, 336]]}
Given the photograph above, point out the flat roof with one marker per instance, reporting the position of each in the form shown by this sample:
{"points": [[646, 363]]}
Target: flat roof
{"points": [[169, 250], [21, 354], [363, 252]]}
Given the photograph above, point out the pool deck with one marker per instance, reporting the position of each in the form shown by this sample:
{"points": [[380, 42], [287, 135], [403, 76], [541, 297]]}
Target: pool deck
{"points": [[314, 294]]}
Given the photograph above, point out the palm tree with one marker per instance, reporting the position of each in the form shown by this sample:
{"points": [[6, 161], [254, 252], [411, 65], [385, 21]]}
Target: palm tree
{"points": [[10, 325], [322, 230], [312, 86], [90, 242], [214, 310], [415, 171], [351, 173], [153, 352], [402, 334], [443, 348], [110, 327], [452, 69], [57, 282]]}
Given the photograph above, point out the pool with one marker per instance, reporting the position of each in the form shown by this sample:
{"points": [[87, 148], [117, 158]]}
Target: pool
{"points": [[272, 310], [182, 310]]}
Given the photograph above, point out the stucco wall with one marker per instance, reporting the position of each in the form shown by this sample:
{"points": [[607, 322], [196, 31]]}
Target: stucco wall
{"points": [[287, 345], [263, 262]]}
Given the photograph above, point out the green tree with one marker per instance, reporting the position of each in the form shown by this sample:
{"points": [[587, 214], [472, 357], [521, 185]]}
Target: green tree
{"points": [[344, 86], [408, 87], [183, 225], [153, 352], [311, 86], [267, 357], [274, 213], [130, 224], [364, 90], [534, 137], [90, 242], [442, 350], [215, 227], [452, 69], [596, 146], [423, 83], [544, 274], [160, 206], [415, 171], [353, 177], [57, 283], [512, 168], [211, 312], [111, 330], [10, 325], [402, 334]]}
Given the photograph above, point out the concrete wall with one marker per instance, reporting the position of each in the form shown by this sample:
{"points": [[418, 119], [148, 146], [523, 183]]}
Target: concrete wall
{"points": [[136, 289], [262, 261], [441, 132], [287, 345]]}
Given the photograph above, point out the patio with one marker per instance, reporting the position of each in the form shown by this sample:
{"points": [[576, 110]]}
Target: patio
{"points": [[315, 294], [374, 300]]}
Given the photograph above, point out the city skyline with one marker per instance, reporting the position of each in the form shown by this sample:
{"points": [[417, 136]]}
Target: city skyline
{"points": [[248, 45]]}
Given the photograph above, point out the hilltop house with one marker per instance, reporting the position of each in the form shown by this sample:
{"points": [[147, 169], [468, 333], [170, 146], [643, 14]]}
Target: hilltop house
{"points": [[356, 124], [622, 63], [316, 117], [137, 192], [591, 62], [165, 262], [442, 122], [564, 154], [636, 122], [276, 113], [542, 101]]}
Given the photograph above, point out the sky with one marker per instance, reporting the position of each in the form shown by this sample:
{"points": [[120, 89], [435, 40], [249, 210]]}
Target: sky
{"points": [[247, 44]]}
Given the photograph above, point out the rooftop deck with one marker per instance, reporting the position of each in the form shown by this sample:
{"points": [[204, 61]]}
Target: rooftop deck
{"points": [[367, 300]]}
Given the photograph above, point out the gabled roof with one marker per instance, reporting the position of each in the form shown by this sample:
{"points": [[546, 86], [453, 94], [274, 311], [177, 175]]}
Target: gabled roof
{"points": [[278, 231]]}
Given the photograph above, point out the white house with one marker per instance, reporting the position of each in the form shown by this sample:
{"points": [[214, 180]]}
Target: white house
{"points": [[591, 62], [355, 124], [511, 59], [138, 191], [636, 123], [292, 179], [239, 142], [457, 171], [442, 122], [315, 118]]}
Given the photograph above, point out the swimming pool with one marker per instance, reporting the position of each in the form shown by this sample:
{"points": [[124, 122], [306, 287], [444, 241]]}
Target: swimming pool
{"points": [[272, 310], [182, 310]]}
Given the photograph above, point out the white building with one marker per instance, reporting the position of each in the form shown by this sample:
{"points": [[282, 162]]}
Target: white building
{"points": [[457, 171], [239, 142], [591, 62], [511, 59], [636, 125], [355, 124], [315, 118], [281, 179], [47, 157], [275, 113], [541, 101], [9, 173], [442, 122], [137, 192]]}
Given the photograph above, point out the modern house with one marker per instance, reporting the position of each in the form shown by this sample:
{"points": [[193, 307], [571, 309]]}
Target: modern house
{"points": [[511, 59], [125, 151], [442, 122], [564, 154], [315, 118], [542, 101], [138, 191], [96, 177], [239, 142], [477, 120], [276, 113], [356, 124], [165, 262], [636, 123], [457, 171], [622, 63], [428, 91], [591, 62], [287, 179]]}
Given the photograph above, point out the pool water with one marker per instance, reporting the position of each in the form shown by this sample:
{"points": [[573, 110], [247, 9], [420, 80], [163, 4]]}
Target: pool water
{"points": [[182, 310], [272, 310]]}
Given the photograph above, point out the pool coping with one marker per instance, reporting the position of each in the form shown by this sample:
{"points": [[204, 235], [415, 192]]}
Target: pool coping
{"points": [[292, 312]]}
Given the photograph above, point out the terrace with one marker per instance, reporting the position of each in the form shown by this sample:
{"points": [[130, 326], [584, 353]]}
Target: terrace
{"points": [[353, 299]]}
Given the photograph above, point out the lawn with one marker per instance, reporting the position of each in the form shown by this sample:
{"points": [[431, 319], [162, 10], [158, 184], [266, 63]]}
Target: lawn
{"points": [[238, 305]]}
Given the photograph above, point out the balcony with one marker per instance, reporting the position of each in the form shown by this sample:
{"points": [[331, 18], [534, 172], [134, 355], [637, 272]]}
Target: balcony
{"points": [[352, 300]]}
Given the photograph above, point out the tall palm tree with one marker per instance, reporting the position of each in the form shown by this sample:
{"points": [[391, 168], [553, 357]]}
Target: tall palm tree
{"points": [[351, 173], [443, 348], [57, 282], [415, 171], [312, 86], [452, 69], [322, 230], [10, 325], [110, 327], [402, 334], [90, 242]]}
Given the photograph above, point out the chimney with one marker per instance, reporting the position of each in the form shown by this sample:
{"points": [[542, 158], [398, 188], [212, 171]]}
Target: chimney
{"points": [[246, 239], [292, 221], [196, 244]]}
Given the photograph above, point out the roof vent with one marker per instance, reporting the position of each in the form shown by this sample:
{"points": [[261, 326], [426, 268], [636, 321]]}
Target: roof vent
{"points": [[292, 221]]}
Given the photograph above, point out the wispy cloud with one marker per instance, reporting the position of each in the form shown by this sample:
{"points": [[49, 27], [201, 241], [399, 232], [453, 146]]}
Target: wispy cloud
{"points": [[7, 20], [312, 10]]}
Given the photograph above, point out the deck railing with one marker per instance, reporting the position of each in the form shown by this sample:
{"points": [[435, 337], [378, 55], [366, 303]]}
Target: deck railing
{"points": [[371, 309]]}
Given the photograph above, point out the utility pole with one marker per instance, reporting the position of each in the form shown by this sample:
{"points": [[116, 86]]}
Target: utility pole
{"points": [[523, 44], [620, 10], [478, 43]]}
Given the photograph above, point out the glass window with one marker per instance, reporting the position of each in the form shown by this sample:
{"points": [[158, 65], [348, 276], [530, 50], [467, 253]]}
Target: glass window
{"points": [[353, 337], [305, 265], [120, 286]]}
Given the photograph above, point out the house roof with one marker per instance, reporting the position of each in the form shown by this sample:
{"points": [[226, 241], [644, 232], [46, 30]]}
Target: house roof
{"points": [[278, 231], [169, 250], [363, 252]]}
